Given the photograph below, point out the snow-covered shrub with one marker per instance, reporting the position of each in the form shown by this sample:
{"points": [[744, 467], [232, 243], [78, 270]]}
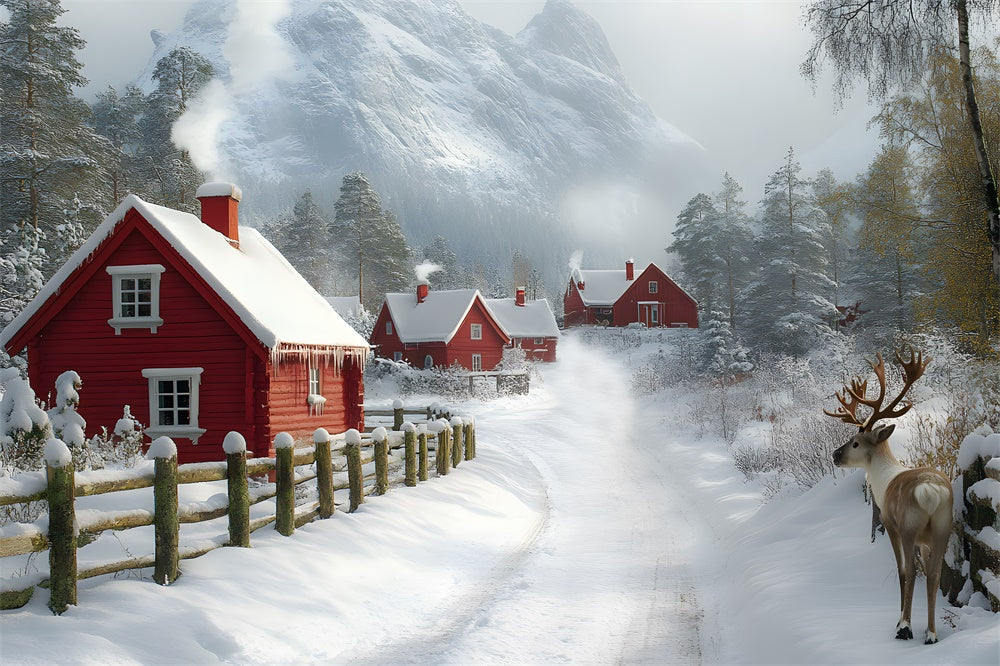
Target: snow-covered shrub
{"points": [[363, 321], [67, 424], [24, 425], [122, 447]]}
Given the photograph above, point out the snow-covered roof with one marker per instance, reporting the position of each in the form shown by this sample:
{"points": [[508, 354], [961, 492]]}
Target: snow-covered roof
{"points": [[274, 302], [534, 319], [436, 319], [346, 306], [601, 287]]}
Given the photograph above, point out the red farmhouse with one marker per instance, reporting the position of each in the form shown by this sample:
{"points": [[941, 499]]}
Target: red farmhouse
{"points": [[619, 298], [530, 325], [200, 325], [440, 328]]}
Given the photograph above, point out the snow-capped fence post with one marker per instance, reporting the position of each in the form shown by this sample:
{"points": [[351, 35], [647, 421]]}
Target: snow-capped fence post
{"points": [[456, 442], [284, 473], [235, 447], [470, 450], [381, 439], [324, 472], [397, 414], [62, 525], [442, 454], [975, 562], [410, 449], [422, 455], [355, 475], [163, 451]]}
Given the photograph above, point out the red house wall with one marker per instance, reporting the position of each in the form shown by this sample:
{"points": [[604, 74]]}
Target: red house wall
{"points": [[462, 346], [677, 307], [546, 351], [575, 312], [193, 334], [239, 389]]}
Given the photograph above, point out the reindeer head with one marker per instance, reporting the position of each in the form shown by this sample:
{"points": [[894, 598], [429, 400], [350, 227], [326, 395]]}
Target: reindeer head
{"points": [[858, 450]]}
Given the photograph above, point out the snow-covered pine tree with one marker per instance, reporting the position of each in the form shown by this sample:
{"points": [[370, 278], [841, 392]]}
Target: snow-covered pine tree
{"points": [[116, 118], [439, 252], [368, 242], [695, 242], [724, 357], [788, 305], [179, 76], [50, 173], [304, 239], [734, 243]]}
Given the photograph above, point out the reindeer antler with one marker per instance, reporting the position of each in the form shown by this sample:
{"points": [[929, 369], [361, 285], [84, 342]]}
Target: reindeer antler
{"points": [[856, 392]]}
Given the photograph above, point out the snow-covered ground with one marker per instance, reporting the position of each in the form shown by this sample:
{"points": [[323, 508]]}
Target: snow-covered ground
{"points": [[594, 527]]}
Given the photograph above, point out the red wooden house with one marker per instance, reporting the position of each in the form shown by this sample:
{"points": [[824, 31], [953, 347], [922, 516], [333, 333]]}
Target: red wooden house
{"points": [[199, 325], [441, 328], [620, 298], [530, 324]]}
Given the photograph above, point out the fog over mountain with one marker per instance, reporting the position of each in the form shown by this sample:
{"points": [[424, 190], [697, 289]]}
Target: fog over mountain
{"points": [[532, 142]]}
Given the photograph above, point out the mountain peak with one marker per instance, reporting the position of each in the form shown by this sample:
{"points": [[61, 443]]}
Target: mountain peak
{"points": [[565, 30]]}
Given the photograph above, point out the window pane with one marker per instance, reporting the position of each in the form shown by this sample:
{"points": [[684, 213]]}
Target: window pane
{"points": [[145, 284], [128, 284], [166, 401], [167, 418], [164, 386], [184, 401], [183, 386], [128, 311], [144, 296], [183, 417], [128, 297], [145, 311]]}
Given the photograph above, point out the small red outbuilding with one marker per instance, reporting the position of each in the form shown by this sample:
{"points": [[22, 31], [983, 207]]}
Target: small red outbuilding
{"points": [[620, 298], [199, 325]]}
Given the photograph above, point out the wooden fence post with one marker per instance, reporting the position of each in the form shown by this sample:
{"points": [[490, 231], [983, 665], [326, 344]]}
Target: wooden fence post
{"points": [[284, 477], [324, 472], [62, 523], [467, 439], [474, 437], [397, 414], [442, 456], [355, 476], [166, 569], [422, 454], [410, 447], [381, 439], [235, 447], [456, 442]]}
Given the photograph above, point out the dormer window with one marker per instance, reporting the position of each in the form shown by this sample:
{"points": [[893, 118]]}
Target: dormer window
{"points": [[135, 297]]}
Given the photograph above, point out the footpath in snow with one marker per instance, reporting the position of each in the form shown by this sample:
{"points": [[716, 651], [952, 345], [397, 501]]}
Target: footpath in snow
{"points": [[593, 528]]}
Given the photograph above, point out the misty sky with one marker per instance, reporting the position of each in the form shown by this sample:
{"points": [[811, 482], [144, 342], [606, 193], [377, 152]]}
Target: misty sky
{"points": [[724, 72]]}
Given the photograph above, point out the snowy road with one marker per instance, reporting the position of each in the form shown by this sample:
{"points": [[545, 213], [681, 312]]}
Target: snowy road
{"points": [[606, 575]]}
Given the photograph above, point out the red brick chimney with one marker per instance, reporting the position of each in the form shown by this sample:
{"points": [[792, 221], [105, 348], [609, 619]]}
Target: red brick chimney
{"points": [[422, 289], [629, 270], [519, 296], [220, 204]]}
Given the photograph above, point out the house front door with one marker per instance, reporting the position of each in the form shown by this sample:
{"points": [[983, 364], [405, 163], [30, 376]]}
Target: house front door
{"points": [[649, 314]]}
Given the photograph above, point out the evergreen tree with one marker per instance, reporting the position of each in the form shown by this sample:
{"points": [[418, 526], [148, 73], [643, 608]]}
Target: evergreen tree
{"points": [[733, 243], [835, 200], [50, 179], [789, 308], [369, 242], [440, 253], [116, 118], [723, 356], [305, 241], [694, 243], [179, 76]]}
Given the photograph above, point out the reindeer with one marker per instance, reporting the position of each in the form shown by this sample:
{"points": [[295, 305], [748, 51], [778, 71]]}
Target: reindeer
{"points": [[916, 504]]}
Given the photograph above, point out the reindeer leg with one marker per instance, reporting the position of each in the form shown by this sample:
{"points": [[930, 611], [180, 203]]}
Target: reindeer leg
{"points": [[903, 630], [932, 568], [908, 577]]}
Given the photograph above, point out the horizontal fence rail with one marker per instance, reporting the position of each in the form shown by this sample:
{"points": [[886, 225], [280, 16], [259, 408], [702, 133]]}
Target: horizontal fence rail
{"points": [[356, 462]]}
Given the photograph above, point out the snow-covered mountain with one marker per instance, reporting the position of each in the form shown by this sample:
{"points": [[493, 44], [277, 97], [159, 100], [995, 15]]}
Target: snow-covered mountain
{"points": [[534, 141]]}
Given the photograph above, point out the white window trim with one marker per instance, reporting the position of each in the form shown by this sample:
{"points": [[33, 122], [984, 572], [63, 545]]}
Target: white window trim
{"points": [[654, 287], [428, 362], [476, 332], [477, 362], [190, 431], [388, 328], [153, 272], [315, 398], [397, 356], [539, 341]]}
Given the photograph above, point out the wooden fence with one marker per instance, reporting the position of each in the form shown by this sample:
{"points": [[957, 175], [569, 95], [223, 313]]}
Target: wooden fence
{"points": [[453, 440]]}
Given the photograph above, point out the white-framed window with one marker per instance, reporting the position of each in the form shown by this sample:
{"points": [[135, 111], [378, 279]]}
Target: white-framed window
{"points": [[428, 362], [315, 399], [388, 328], [476, 332], [654, 314], [135, 296], [314, 385], [539, 341], [654, 286], [477, 362], [173, 402], [397, 356]]}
